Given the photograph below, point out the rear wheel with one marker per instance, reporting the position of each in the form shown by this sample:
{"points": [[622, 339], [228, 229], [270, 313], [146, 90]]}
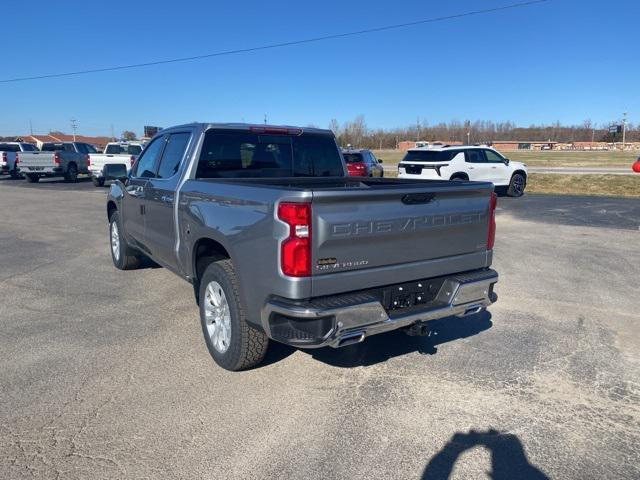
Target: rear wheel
{"points": [[459, 178], [124, 257], [517, 185], [97, 182], [232, 342], [15, 174], [71, 174], [32, 178]]}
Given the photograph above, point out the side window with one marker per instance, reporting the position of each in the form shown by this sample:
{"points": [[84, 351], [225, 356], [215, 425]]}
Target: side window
{"points": [[475, 156], [493, 157], [146, 163], [173, 153], [82, 148], [90, 148]]}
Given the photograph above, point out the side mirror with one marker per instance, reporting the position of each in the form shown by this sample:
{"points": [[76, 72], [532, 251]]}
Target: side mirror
{"points": [[506, 161], [379, 160], [116, 171]]}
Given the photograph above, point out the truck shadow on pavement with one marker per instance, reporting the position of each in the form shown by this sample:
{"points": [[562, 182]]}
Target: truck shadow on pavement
{"points": [[508, 458], [382, 347]]}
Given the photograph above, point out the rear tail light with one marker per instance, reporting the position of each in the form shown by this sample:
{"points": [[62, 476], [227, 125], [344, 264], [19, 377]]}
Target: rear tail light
{"points": [[56, 158], [491, 235], [295, 250], [88, 160], [4, 156]]}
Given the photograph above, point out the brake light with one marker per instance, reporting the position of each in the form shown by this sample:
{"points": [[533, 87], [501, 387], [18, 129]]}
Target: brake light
{"points": [[275, 130], [56, 158], [491, 235], [295, 250], [88, 160], [4, 156]]}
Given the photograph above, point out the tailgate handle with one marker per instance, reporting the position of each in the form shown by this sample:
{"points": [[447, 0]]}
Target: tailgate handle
{"points": [[417, 198]]}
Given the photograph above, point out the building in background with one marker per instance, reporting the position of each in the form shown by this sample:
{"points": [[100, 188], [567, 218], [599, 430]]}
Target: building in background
{"points": [[522, 145], [38, 140]]}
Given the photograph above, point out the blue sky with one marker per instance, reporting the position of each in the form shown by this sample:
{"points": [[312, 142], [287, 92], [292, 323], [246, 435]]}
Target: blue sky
{"points": [[564, 60]]}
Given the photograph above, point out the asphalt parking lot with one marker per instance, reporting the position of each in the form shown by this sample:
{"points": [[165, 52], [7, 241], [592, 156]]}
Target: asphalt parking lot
{"points": [[105, 373]]}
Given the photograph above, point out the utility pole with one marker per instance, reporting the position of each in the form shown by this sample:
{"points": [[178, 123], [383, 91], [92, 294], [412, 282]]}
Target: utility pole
{"points": [[74, 127], [624, 129], [113, 137], [418, 129], [30, 127], [468, 136], [265, 118]]}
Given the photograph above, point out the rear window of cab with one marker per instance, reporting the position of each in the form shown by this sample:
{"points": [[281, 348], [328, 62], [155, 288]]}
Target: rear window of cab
{"points": [[430, 155]]}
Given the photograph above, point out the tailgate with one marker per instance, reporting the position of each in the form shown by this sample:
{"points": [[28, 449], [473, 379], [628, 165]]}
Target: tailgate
{"points": [[36, 159], [400, 229], [100, 160]]}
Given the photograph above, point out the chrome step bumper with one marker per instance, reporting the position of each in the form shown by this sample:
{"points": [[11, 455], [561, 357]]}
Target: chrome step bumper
{"points": [[346, 319]]}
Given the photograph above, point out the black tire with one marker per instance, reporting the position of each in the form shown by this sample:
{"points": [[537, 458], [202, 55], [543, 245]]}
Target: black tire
{"points": [[97, 182], [247, 346], [15, 174], [127, 258], [33, 178], [459, 178], [71, 175], [517, 185]]}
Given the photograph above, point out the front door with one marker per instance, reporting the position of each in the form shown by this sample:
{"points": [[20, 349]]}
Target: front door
{"points": [[137, 192], [160, 216], [497, 167]]}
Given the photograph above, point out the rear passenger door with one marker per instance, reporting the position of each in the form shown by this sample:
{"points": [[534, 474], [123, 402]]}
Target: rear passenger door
{"points": [[476, 163], [160, 200]]}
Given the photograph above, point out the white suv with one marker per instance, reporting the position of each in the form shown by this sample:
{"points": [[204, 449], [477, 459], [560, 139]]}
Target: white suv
{"points": [[465, 163]]}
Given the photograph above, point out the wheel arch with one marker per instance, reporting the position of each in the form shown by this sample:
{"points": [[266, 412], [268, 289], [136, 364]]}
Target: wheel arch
{"points": [[111, 208], [205, 251], [461, 175]]}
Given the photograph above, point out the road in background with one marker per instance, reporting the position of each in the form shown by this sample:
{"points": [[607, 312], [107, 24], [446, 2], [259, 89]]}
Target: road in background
{"points": [[105, 373]]}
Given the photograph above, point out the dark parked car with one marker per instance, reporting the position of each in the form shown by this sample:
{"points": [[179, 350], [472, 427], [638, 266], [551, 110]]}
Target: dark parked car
{"points": [[362, 163]]}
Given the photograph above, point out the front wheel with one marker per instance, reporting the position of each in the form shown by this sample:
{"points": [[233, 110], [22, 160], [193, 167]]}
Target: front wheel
{"points": [[231, 341], [123, 256], [97, 182], [516, 186]]}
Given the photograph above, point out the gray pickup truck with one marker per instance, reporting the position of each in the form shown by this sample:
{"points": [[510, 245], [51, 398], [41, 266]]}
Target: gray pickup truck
{"points": [[57, 159], [279, 243]]}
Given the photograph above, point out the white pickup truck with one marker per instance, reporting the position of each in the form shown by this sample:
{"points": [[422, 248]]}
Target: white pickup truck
{"points": [[56, 159], [115, 153], [9, 153]]}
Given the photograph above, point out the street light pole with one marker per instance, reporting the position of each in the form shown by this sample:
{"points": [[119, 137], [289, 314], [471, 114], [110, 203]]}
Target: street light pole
{"points": [[74, 126], [624, 129]]}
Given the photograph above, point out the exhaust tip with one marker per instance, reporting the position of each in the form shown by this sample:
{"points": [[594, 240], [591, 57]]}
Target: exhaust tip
{"points": [[350, 339]]}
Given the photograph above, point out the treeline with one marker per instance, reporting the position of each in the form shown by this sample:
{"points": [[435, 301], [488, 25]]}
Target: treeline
{"points": [[356, 133]]}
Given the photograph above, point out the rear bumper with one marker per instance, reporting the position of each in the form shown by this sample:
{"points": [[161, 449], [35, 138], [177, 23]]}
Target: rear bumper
{"points": [[42, 170], [341, 320]]}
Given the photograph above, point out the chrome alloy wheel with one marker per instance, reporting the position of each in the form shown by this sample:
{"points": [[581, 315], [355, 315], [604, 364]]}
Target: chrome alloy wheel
{"points": [[115, 241], [217, 316]]}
